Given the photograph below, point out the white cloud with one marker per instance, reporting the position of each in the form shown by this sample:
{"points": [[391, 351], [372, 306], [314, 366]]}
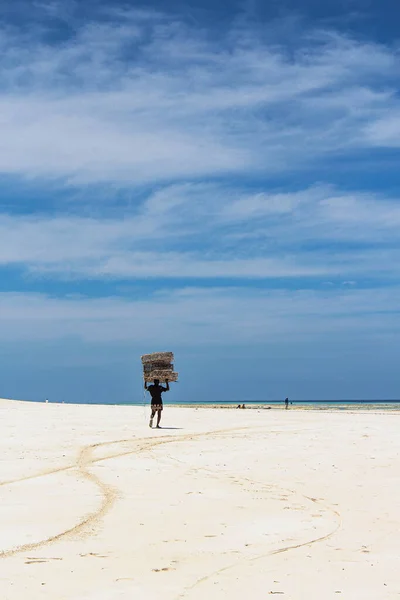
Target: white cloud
{"points": [[323, 214], [80, 247], [264, 204], [203, 316], [142, 99], [213, 231], [385, 131], [363, 210]]}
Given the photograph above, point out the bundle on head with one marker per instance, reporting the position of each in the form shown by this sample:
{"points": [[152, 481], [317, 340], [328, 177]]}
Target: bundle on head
{"points": [[159, 365], [165, 357]]}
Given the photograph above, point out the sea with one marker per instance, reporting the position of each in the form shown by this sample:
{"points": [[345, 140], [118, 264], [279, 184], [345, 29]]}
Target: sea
{"points": [[382, 405], [386, 405]]}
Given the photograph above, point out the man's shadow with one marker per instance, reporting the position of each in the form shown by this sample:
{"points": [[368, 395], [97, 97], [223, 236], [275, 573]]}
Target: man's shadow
{"points": [[161, 427]]}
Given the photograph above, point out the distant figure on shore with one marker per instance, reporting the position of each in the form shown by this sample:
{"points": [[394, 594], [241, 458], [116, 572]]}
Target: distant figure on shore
{"points": [[243, 406], [156, 390], [286, 403]]}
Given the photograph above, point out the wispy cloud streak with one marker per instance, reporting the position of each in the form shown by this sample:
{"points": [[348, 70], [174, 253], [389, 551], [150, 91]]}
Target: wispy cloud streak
{"points": [[212, 231], [217, 316], [143, 98]]}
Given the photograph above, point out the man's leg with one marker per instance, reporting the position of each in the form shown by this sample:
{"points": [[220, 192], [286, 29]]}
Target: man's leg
{"points": [[153, 412], [158, 417]]}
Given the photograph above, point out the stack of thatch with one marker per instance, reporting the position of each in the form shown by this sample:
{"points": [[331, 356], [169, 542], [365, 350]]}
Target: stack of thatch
{"points": [[159, 365]]}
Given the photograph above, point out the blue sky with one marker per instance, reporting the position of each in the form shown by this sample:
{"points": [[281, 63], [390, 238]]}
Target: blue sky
{"points": [[220, 180]]}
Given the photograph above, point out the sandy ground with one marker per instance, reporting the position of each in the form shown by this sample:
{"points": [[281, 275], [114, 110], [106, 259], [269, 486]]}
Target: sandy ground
{"points": [[222, 504]]}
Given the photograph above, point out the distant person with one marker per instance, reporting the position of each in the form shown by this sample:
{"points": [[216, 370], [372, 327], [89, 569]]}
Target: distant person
{"points": [[286, 403], [243, 406], [156, 390]]}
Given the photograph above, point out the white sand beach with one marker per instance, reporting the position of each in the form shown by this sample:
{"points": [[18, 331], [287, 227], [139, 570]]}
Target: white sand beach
{"points": [[224, 504]]}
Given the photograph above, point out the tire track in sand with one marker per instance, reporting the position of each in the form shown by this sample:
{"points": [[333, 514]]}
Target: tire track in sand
{"points": [[310, 542], [281, 550], [109, 493]]}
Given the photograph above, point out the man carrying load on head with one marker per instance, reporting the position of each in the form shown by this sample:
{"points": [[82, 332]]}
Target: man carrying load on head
{"points": [[156, 390]]}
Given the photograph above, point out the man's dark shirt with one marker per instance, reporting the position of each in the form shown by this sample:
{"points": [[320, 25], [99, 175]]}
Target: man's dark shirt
{"points": [[155, 392]]}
